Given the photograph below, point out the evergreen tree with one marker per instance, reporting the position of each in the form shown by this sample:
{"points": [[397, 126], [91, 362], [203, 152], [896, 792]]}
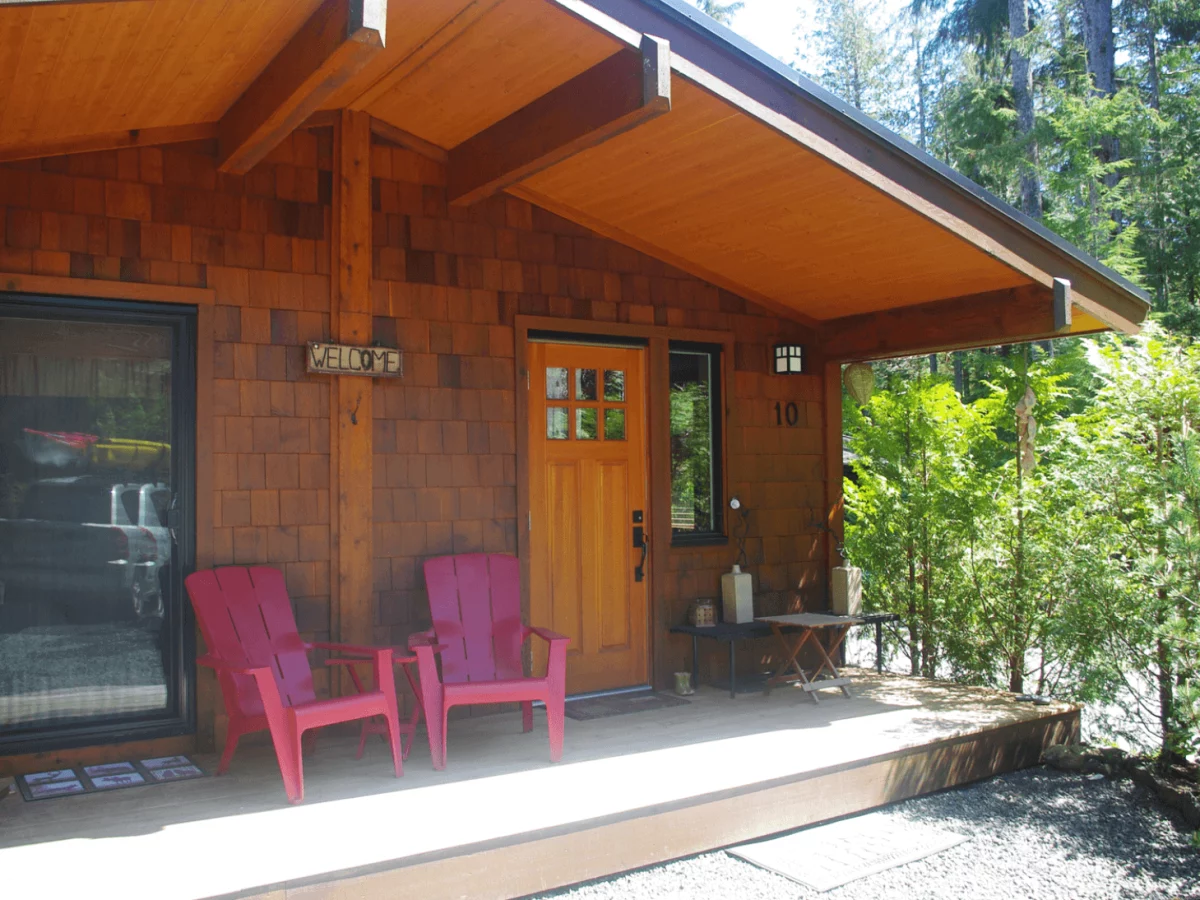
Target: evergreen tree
{"points": [[855, 60], [721, 12]]}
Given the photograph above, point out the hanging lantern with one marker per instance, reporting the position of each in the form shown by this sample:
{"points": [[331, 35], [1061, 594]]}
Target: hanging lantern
{"points": [[859, 379]]}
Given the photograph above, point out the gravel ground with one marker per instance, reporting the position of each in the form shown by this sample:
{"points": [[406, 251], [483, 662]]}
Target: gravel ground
{"points": [[1039, 833]]}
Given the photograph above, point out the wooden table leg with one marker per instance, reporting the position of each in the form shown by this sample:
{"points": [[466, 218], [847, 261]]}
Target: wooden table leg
{"points": [[827, 658], [792, 662]]}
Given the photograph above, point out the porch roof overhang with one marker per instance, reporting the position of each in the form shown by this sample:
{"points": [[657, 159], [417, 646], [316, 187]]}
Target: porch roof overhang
{"points": [[640, 119]]}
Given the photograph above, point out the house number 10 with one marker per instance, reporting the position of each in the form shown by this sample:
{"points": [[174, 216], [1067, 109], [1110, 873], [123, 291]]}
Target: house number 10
{"points": [[789, 413]]}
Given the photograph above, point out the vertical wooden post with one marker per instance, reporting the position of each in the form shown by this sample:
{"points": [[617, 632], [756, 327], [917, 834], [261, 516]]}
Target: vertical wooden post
{"points": [[351, 589], [834, 533], [658, 503]]}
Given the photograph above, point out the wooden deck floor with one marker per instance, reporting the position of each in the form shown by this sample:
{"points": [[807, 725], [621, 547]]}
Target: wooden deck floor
{"points": [[502, 821]]}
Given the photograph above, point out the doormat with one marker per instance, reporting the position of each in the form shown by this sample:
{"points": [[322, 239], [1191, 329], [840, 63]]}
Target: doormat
{"points": [[620, 704], [106, 777], [829, 856]]}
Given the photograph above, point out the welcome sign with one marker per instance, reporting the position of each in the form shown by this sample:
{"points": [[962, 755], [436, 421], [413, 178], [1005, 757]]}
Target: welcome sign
{"points": [[339, 359]]}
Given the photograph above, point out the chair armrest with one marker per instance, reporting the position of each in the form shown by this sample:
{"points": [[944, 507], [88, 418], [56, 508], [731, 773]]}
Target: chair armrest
{"points": [[221, 666], [425, 639], [264, 680], [545, 634], [556, 659]]}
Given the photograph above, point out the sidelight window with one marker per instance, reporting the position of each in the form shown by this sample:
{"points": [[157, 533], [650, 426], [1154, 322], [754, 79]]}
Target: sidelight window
{"points": [[695, 409]]}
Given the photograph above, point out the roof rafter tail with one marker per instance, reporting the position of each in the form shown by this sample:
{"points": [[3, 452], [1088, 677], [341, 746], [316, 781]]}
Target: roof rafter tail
{"points": [[627, 89]]}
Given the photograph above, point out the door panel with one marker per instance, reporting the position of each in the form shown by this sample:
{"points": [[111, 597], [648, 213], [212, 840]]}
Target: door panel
{"points": [[613, 535], [587, 474], [563, 535]]}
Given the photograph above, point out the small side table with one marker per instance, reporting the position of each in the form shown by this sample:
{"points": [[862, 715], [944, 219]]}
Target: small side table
{"points": [[796, 630], [730, 633], [408, 728]]}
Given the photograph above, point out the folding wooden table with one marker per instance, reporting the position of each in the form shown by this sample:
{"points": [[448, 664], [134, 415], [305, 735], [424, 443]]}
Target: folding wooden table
{"points": [[797, 630]]}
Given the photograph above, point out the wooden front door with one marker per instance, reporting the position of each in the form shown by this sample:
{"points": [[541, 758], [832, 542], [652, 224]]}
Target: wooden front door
{"points": [[587, 495]]}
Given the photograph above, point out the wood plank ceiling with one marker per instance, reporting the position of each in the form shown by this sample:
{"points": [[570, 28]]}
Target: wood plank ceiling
{"points": [[706, 187], [80, 69]]}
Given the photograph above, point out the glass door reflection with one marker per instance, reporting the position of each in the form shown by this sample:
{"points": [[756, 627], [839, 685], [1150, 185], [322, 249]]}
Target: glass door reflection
{"points": [[89, 618]]}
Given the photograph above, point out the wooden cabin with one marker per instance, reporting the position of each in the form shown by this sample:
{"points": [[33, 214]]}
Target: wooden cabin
{"points": [[340, 285]]}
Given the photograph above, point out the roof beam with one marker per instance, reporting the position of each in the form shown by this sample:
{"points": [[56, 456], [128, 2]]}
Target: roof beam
{"points": [[402, 138], [112, 140], [330, 48], [620, 93], [1009, 316]]}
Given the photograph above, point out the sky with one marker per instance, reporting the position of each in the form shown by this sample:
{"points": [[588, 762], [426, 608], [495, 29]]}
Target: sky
{"points": [[771, 24]]}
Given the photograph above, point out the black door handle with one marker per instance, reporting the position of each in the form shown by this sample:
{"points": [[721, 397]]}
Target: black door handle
{"points": [[640, 539]]}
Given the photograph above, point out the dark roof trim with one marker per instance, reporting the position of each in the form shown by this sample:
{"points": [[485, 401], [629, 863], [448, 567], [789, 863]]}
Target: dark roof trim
{"points": [[743, 66]]}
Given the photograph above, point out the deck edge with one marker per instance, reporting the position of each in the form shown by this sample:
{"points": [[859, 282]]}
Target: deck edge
{"points": [[541, 861]]}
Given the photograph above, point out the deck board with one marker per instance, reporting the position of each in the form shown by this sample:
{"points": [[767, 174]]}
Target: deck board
{"points": [[744, 762]]}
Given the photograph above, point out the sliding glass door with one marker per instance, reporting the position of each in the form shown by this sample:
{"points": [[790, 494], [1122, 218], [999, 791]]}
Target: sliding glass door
{"points": [[96, 454]]}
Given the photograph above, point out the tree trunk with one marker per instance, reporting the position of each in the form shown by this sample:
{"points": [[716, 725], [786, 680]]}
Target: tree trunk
{"points": [[1101, 65], [1098, 41], [1016, 673], [1022, 76], [919, 75], [1166, 703], [960, 381], [914, 631], [1153, 100], [1155, 97]]}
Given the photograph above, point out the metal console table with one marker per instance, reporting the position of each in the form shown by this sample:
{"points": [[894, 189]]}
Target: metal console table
{"points": [[732, 633]]}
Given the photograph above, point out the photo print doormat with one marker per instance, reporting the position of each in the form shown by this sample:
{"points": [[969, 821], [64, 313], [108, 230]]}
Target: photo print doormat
{"points": [[107, 777]]}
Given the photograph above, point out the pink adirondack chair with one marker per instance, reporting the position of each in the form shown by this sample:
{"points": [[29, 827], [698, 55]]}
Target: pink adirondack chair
{"points": [[475, 599], [264, 673]]}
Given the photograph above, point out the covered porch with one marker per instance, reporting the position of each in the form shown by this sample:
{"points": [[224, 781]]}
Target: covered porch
{"points": [[501, 821]]}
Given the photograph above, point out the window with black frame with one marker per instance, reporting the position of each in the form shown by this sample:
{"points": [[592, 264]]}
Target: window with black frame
{"points": [[695, 407]]}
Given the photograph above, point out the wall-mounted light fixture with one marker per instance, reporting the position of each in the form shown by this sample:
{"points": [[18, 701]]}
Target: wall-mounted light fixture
{"points": [[789, 359]]}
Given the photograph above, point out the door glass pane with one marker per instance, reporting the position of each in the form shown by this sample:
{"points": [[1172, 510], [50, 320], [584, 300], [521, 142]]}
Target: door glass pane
{"points": [[585, 423], [585, 384], [614, 386], [557, 428], [692, 475], [556, 383], [85, 558], [614, 424]]}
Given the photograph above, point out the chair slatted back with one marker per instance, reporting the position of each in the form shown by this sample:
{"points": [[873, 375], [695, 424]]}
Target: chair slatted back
{"points": [[247, 620], [475, 600]]}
